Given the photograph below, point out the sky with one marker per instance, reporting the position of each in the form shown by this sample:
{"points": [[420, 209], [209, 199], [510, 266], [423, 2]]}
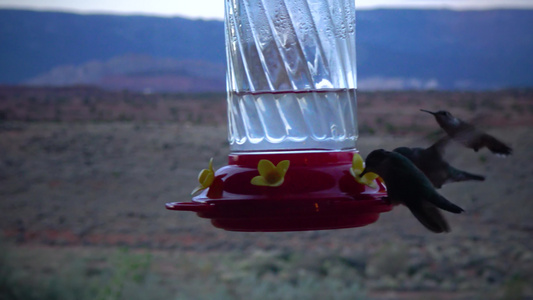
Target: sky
{"points": [[214, 9]]}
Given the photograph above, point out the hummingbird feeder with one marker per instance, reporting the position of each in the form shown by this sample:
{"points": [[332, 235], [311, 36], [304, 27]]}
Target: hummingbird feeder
{"points": [[291, 81]]}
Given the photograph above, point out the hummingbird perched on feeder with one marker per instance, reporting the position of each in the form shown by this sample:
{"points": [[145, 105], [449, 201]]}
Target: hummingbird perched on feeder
{"points": [[431, 162], [406, 184], [467, 134]]}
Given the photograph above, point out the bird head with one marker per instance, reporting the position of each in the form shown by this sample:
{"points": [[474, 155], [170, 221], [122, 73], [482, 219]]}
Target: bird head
{"points": [[373, 161], [442, 116]]}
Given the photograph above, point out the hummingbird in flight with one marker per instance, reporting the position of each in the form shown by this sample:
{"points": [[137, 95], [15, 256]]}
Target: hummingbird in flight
{"points": [[467, 134], [431, 162], [407, 185]]}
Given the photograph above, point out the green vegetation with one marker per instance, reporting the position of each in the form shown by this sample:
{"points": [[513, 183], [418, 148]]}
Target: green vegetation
{"points": [[123, 277], [113, 274], [514, 288], [125, 274]]}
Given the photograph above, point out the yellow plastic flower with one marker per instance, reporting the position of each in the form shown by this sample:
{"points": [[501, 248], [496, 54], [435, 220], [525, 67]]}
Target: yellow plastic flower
{"points": [[205, 178], [357, 168], [270, 175]]}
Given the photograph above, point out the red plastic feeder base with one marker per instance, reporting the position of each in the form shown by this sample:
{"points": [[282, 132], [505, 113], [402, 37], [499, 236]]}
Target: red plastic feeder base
{"points": [[318, 193]]}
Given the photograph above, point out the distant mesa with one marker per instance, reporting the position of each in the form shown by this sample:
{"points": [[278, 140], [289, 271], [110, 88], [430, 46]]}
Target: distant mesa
{"points": [[139, 73], [398, 49]]}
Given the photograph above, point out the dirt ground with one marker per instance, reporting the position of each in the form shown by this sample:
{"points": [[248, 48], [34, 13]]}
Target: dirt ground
{"points": [[83, 189]]}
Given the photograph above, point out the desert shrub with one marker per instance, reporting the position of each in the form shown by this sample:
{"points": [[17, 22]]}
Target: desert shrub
{"points": [[125, 276], [390, 259]]}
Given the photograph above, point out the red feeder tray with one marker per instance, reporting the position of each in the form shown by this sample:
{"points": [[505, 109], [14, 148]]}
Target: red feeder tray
{"points": [[318, 192]]}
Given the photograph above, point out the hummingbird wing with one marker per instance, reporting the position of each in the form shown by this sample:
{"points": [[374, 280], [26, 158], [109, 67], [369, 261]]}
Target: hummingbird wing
{"points": [[411, 183], [468, 135], [430, 216], [494, 145], [457, 175], [439, 146]]}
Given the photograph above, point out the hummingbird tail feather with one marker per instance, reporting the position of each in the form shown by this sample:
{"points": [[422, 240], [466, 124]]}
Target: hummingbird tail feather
{"points": [[445, 204], [430, 216], [469, 176]]}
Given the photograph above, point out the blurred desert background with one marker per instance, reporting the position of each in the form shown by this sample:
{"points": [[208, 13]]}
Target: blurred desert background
{"points": [[85, 174]]}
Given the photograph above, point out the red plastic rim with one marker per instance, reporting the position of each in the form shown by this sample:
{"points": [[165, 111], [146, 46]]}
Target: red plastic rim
{"points": [[318, 192]]}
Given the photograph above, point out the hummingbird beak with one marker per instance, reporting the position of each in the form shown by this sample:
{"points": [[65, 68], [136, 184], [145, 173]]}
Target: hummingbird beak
{"points": [[429, 112], [364, 172]]}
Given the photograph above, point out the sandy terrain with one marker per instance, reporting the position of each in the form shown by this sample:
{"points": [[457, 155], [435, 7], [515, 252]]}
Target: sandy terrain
{"points": [[81, 189]]}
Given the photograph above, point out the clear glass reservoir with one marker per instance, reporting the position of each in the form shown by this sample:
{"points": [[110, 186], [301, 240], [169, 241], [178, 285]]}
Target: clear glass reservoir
{"points": [[291, 75]]}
